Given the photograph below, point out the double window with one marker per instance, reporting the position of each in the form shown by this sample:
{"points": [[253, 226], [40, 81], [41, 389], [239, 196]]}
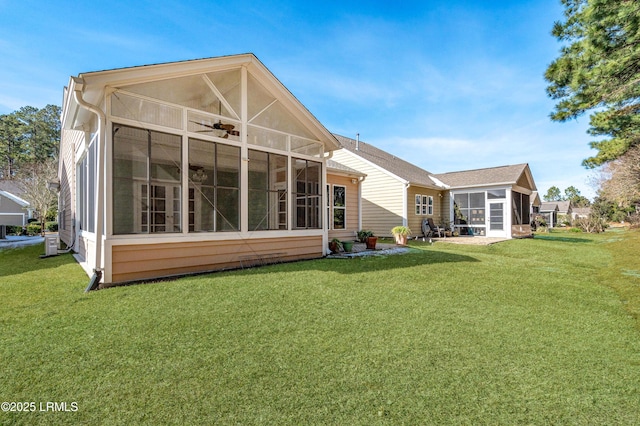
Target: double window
{"points": [[424, 205], [339, 206]]}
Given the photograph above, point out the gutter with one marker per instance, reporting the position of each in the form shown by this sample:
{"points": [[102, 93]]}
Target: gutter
{"points": [[102, 118]]}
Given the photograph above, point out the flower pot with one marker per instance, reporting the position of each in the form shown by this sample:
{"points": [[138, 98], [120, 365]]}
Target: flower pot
{"points": [[334, 247], [371, 243], [347, 245], [401, 239]]}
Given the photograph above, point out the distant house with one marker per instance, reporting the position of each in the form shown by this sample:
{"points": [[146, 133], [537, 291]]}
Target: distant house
{"points": [[395, 192], [556, 212], [195, 166], [580, 212], [492, 202], [14, 211], [549, 211]]}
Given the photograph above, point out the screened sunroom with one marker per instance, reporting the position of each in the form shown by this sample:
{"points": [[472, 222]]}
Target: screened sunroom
{"points": [[214, 154]]}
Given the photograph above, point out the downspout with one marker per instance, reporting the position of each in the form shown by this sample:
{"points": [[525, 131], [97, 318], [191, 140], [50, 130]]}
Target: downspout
{"points": [[94, 282], [405, 204]]}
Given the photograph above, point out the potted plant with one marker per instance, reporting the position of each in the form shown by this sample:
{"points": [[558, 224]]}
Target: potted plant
{"points": [[347, 245], [363, 234], [371, 241], [335, 245], [401, 233]]}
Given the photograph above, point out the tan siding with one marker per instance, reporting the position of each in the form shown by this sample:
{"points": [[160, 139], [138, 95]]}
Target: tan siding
{"points": [[352, 208], [382, 195], [415, 221], [148, 261]]}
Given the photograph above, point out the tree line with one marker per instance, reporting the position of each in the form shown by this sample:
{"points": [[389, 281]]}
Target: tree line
{"points": [[28, 136], [29, 145]]}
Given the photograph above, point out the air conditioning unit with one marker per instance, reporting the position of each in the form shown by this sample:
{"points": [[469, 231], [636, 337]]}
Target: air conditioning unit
{"points": [[51, 245]]}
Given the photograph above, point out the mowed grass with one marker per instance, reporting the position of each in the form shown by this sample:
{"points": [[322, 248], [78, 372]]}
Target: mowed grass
{"points": [[538, 331]]}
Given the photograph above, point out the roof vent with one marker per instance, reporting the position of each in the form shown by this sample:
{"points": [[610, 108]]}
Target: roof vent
{"points": [[357, 141]]}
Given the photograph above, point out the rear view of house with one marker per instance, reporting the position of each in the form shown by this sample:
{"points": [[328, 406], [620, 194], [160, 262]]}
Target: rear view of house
{"points": [[191, 166]]}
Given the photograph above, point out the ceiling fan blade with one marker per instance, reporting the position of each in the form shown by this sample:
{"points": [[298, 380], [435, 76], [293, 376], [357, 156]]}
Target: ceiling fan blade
{"points": [[204, 125]]}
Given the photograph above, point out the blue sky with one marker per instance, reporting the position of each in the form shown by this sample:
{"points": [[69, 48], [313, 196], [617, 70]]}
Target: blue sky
{"points": [[447, 85]]}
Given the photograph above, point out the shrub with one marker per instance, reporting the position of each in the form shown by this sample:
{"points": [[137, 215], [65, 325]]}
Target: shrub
{"points": [[591, 224], [33, 229], [538, 222], [52, 226]]}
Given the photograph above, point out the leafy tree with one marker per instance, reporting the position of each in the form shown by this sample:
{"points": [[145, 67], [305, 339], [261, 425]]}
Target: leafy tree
{"points": [[599, 70], [553, 194], [29, 135], [11, 145], [33, 179], [621, 179], [573, 194]]}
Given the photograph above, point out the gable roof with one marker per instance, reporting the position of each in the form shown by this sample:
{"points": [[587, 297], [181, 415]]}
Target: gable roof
{"points": [[94, 84], [397, 166], [502, 175], [549, 206], [14, 198]]}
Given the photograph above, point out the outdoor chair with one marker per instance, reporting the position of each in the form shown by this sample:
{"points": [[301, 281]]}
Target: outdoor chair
{"points": [[436, 229], [427, 231]]}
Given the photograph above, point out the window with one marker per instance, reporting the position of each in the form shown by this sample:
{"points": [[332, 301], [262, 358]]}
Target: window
{"points": [[307, 195], [146, 181], [86, 187], [214, 186], [339, 206], [469, 212], [424, 205], [267, 191]]}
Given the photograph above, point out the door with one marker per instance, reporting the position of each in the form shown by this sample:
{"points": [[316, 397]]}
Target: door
{"points": [[159, 209], [497, 221]]}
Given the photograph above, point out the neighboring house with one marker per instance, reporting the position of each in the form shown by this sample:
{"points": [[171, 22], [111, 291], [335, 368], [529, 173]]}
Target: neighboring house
{"points": [[492, 202], [549, 211], [580, 212], [395, 192], [565, 210], [556, 212], [14, 211], [195, 166]]}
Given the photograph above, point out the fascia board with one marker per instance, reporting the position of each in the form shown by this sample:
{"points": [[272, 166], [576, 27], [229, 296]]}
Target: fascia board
{"points": [[14, 198], [284, 95]]}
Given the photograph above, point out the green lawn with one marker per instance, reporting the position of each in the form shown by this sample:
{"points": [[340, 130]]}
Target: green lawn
{"points": [[538, 331]]}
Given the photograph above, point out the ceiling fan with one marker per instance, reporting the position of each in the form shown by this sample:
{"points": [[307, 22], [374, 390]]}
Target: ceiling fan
{"points": [[227, 128]]}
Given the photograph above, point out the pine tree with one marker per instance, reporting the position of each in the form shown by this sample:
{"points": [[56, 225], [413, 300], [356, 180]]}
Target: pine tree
{"points": [[599, 70]]}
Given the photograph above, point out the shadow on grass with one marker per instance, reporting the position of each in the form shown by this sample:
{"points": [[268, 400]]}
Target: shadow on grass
{"points": [[562, 239], [15, 261], [372, 263]]}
